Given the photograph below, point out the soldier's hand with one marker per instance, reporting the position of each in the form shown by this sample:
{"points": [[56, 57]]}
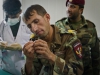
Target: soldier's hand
{"points": [[41, 47], [28, 50]]}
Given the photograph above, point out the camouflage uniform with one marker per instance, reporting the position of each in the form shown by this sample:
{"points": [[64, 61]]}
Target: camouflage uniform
{"points": [[67, 49], [87, 34]]}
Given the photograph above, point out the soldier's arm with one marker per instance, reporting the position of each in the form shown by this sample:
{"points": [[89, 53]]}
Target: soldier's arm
{"points": [[28, 69], [72, 64], [95, 52], [29, 65]]}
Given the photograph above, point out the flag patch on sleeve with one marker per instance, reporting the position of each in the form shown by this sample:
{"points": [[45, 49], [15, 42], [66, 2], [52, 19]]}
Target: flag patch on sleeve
{"points": [[78, 49]]}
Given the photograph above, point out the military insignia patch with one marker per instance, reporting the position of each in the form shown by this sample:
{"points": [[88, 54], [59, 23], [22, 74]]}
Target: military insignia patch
{"points": [[78, 49]]}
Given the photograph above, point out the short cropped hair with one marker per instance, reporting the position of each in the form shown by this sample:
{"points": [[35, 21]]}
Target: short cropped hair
{"points": [[38, 8], [11, 7]]}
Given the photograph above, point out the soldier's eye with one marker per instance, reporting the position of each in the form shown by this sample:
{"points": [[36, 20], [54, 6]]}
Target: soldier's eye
{"points": [[36, 21], [29, 25]]}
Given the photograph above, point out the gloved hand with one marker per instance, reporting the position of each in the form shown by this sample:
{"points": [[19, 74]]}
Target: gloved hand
{"points": [[3, 45], [14, 46]]}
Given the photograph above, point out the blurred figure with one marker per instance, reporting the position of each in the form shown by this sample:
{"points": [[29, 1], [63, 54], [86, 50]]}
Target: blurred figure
{"points": [[86, 32], [14, 34]]}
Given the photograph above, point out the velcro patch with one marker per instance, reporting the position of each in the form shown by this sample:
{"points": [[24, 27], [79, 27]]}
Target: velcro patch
{"points": [[78, 49]]}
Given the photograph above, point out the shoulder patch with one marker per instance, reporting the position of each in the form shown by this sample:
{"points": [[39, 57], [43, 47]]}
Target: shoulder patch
{"points": [[78, 49]]}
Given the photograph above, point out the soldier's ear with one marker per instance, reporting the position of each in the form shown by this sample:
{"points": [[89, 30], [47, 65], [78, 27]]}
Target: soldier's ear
{"points": [[47, 16], [81, 10]]}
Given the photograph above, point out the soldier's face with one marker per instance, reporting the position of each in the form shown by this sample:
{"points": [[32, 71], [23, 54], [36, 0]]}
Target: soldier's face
{"points": [[73, 11], [39, 24]]}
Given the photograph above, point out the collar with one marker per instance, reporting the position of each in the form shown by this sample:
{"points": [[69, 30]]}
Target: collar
{"points": [[57, 37], [84, 23]]}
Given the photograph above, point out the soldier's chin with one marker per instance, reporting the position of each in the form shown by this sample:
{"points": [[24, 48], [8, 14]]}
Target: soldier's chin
{"points": [[69, 17], [41, 36]]}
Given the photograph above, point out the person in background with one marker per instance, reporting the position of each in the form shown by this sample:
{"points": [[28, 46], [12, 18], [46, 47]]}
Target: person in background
{"points": [[86, 32], [14, 34], [53, 52]]}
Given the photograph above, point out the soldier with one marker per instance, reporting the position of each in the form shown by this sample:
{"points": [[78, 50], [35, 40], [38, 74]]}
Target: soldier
{"points": [[86, 32], [54, 52]]}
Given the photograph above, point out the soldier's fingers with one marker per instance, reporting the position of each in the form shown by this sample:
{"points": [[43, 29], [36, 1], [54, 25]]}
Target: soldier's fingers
{"points": [[40, 43], [39, 40], [30, 50], [27, 46]]}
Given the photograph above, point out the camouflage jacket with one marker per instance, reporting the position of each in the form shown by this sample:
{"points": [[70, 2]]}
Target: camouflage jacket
{"points": [[67, 49], [87, 34]]}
